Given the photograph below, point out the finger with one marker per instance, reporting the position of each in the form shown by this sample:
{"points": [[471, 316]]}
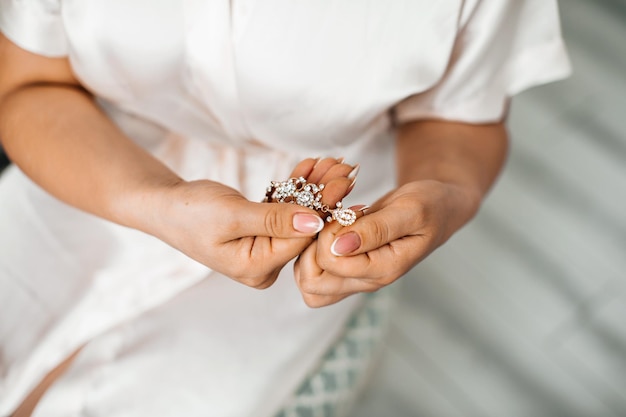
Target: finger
{"points": [[320, 288], [352, 175], [332, 285], [321, 168], [317, 301], [332, 228], [375, 230], [335, 190], [304, 168], [260, 259], [338, 181], [385, 263], [344, 173], [279, 220], [340, 171]]}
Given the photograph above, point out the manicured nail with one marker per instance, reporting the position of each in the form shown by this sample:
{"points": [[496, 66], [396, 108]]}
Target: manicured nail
{"points": [[351, 186], [354, 172], [360, 207], [345, 244], [341, 160], [307, 223]]}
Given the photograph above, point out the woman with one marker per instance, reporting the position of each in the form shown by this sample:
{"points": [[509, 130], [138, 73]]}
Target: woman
{"points": [[144, 136]]}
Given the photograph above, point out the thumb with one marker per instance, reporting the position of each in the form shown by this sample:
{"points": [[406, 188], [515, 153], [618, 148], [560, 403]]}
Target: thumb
{"points": [[371, 232], [279, 220]]}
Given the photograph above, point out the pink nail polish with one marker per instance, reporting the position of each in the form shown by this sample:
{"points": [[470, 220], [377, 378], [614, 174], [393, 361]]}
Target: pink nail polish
{"points": [[345, 244], [307, 223], [360, 207]]}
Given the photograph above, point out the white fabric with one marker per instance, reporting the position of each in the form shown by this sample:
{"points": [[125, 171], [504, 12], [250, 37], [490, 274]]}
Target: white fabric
{"points": [[502, 48], [236, 91]]}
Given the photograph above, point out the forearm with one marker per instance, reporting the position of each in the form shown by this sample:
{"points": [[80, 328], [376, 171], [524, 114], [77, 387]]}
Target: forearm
{"points": [[468, 156], [59, 137]]}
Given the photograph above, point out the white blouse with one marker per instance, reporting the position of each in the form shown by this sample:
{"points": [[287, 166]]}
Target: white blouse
{"points": [[235, 91]]}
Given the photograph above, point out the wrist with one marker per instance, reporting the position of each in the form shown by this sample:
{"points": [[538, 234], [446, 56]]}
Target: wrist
{"points": [[468, 199], [145, 206], [463, 203], [453, 204]]}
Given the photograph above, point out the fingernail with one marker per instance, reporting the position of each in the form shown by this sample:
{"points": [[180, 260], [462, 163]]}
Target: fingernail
{"points": [[341, 160], [307, 223], [345, 244], [360, 207], [351, 186], [354, 172]]}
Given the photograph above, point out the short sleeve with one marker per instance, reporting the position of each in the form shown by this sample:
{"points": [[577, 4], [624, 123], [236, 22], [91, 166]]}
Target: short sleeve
{"points": [[502, 48], [34, 25]]}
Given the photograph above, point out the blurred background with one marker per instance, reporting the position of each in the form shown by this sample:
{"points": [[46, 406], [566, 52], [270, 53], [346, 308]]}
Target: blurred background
{"points": [[523, 313]]}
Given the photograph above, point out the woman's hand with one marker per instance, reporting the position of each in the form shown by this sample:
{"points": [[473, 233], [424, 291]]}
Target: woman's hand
{"points": [[445, 168], [55, 132], [247, 241], [396, 233]]}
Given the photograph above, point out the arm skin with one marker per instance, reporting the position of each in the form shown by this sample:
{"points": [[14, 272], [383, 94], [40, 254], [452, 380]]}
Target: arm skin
{"points": [[445, 169], [53, 130], [448, 151], [467, 156]]}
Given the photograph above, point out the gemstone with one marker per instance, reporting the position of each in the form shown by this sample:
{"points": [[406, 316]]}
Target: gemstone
{"points": [[344, 217]]}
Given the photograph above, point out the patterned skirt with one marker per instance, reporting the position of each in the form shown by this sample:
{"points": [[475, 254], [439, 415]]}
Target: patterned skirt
{"points": [[331, 389]]}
